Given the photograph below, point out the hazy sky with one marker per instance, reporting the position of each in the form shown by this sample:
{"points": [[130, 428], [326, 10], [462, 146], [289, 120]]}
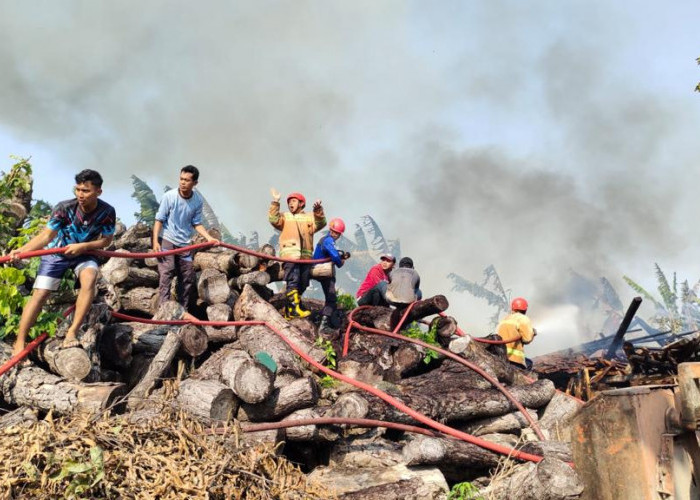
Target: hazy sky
{"points": [[536, 136]]}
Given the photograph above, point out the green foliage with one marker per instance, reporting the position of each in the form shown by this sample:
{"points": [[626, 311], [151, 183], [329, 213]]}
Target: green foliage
{"points": [[327, 382], [414, 331], [83, 475], [14, 186], [464, 491], [331, 361], [147, 200], [346, 301]]}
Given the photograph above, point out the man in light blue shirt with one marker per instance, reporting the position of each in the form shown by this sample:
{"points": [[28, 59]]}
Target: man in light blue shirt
{"points": [[179, 213]]}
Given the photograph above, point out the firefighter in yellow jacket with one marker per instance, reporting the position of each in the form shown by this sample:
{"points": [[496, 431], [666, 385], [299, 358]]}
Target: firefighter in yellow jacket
{"points": [[296, 242], [517, 327]]}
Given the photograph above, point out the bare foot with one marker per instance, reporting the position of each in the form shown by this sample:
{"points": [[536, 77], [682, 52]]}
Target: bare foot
{"points": [[69, 342], [17, 348]]}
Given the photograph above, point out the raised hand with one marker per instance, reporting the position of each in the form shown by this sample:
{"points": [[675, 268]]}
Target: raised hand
{"points": [[275, 194]]}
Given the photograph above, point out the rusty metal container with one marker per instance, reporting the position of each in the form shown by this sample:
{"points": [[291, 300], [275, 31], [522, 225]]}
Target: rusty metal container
{"points": [[628, 444]]}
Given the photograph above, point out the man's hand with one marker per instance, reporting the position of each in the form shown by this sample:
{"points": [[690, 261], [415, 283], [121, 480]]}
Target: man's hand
{"points": [[275, 195], [156, 246], [214, 240], [345, 255], [317, 206], [74, 249], [14, 255]]}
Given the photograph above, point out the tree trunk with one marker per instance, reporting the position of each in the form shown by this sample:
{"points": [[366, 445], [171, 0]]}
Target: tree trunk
{"points": [[301, 393], [159, 364], [449, 454], [219, 312], [420, 309], [251, 307], [45, 391], [221, 259], [557, 416], [213, 287], [140, 300], [442, 402], [551, 479], [207, 399], [446, 327]]}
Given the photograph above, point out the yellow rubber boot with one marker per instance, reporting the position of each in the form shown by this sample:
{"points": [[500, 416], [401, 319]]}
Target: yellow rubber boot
{"points": [[294, 309]]}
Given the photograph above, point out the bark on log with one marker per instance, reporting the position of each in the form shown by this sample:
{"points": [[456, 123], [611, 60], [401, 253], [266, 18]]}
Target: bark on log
{"points": [[442, 402], [221, 335], [169, 310], [495, 365], [159, 364], [554, 449], [555, 422], [221, 259], [406, 359], [45, 391], [255, 339], [136, 277], [23, 416], [301, 393], [420, 309], [72, 364], [207, 399], [251, 307], [551, 479], [219, 312], [246, 262], [510, 423], [212, 287], [396, 482], [260, 278], [141, 300], [138, 238], [448, 454]]}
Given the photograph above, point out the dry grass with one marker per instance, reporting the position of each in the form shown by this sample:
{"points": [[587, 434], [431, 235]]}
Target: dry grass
{"points": [[169, 457]]}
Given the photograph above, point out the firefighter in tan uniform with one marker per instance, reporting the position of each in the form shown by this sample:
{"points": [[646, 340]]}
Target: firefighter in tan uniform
{"points": [[517, 328]]}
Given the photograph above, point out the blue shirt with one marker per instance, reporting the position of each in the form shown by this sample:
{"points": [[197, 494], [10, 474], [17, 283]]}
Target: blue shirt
{"points": [[179, 216], [75, 226], [326, 248]]}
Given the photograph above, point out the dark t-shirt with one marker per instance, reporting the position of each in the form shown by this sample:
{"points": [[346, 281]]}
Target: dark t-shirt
{"points": [[75, 226]]}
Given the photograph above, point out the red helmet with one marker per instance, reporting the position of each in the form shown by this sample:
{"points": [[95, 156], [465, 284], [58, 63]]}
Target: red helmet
{"points": [[519, 304], [337, 225], [298, 196]]}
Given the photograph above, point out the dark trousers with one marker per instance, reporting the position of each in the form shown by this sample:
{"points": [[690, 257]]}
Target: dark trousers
{"points": [[375, 296], [329, 292], [297, 276], [172, 266]]}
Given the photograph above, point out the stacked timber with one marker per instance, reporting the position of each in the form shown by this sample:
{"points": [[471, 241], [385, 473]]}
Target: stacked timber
{"points": [[269, 372]]}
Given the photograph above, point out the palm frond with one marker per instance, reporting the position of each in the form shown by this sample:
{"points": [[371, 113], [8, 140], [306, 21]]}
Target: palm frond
{"points": [[360, 239], [668, 295], [640, 290], [143, 194], [463, 285], [379, 243]]}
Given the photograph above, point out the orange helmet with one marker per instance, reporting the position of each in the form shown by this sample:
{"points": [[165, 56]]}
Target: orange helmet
{"points": [[298, 196], [519, 304], [337, 225]]}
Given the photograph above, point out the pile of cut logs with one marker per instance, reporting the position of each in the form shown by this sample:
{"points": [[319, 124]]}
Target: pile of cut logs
{"points": [[248, 373]]}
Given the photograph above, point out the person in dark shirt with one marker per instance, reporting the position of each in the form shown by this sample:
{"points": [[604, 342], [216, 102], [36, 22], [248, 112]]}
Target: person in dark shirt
{"points": [[78, 225]]}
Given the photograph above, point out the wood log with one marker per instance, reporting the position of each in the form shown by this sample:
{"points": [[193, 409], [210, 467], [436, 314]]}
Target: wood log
{"points": [[554, 449], [219, 312], [41, 390], [194, 340], [555, 422], [255, 339], [406, 359], [139, 277], [276, 271], [140, 300], [116, 269], [159, 364], [220, 259], [212, 287], [207, 399], [446, 327], [323, 270], [551, 479], [251, 307], [367, 450], [448, 454], [441, 402], [495, 365], [138, 238], [301, 393], [246, 262], [251, 381], [115, 346], [260, 278], [396, 482], [222, 335], [169, 310], [23, 416], [420, 309], [510, 423], [109, 294], [72, 364]]}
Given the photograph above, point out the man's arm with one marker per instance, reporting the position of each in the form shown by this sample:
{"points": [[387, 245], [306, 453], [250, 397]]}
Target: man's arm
{"points": [[37, 243], [157, 226], [98, 244], [527, 333], [319, 216], [202, 231]]}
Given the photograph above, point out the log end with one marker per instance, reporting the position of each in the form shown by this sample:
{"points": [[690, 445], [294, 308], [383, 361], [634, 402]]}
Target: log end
{"points": [[73, 363]]}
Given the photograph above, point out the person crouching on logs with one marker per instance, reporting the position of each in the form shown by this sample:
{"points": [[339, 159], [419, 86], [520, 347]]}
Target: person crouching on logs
{"points": [[81, 224], [324, 250], [296, 243], [517, 328]]}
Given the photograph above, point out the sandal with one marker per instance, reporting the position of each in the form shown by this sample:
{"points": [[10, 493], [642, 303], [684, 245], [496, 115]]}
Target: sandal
{"points": [[67, 344]]}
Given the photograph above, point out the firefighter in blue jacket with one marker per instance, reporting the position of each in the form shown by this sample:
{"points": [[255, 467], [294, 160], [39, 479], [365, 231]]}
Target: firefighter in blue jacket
{"points": [[325, 249]]}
